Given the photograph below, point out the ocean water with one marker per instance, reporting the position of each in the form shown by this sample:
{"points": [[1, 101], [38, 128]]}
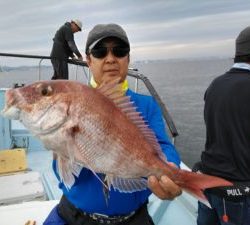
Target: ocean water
{"points": [[180, 83]]}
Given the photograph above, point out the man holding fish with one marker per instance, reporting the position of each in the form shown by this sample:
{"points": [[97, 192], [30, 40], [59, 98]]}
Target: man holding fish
{"points": [[107, 51]]}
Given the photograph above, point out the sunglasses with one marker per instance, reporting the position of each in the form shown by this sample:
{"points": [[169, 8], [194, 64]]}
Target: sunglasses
{"points": [[101, 52]]}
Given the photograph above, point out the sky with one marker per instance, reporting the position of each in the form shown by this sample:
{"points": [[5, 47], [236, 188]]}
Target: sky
{"points": [[157, 29]]}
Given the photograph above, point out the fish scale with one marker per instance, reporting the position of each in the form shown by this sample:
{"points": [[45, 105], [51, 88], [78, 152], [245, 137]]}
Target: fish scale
{"points": [[92, 152]]}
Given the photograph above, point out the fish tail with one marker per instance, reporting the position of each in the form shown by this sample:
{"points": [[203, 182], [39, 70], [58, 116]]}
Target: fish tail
{"points": [[196, 183]]}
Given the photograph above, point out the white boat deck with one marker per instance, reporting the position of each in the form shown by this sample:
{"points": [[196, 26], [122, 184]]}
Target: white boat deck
{"points": [[20, 214]]}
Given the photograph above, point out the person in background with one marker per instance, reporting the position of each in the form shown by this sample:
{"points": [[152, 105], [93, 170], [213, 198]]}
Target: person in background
{"points": [[64, 47], [107, 53], [227, 148]]}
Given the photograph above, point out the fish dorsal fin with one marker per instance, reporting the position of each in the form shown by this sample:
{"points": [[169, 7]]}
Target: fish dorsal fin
{"points": [[149, 135], [113, 90]]}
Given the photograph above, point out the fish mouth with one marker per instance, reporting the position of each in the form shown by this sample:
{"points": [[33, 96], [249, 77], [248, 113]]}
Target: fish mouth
{"points": [[11, 112]]}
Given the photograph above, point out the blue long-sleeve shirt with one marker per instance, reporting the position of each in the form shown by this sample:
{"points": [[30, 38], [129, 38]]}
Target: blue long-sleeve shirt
{"points": [[87, 191]]}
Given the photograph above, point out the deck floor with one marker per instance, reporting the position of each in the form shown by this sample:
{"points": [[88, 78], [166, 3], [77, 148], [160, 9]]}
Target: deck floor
{"points": [[41, 161]]}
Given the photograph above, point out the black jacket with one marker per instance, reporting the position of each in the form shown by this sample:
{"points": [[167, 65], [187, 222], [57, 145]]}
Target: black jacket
{"points": [[64, 45], [227, 118]]}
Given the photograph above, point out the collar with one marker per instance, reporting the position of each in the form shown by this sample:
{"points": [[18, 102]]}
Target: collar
{"points": [[94, 84], [244, 66]]}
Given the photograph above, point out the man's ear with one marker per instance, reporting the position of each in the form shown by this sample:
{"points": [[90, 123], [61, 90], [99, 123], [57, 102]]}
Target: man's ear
{"points": [[88, 60]]}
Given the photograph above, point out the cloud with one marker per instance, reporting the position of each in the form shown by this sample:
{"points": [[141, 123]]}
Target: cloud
{"points": [[184, 50], [189, 37], [156, 29]]}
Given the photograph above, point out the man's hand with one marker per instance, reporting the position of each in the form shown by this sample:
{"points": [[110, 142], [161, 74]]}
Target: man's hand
{"points": [[164, 188]]}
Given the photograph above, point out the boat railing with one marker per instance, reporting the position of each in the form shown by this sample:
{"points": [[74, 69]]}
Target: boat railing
{"points": [[134, 73]]}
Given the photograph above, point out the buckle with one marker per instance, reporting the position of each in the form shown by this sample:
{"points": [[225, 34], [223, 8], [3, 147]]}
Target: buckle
{"points": [[102, 218]]}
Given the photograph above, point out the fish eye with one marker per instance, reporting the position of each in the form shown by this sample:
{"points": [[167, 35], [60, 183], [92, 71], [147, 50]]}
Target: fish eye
{"points": [[45, 90]]}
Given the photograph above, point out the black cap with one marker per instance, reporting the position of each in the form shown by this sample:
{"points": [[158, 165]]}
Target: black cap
{"points": [[102, 31], [242, 43]]}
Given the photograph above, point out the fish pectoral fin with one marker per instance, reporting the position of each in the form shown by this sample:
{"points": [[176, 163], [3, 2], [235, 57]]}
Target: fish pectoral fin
{"points": [[67, 171], [127, 185]]}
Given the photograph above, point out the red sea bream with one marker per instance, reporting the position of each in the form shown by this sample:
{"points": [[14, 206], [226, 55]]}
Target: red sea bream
{"points": [[98, 129]]}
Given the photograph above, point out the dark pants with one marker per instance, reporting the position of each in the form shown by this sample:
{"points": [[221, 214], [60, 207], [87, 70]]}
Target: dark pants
{"points": [[65, 214], [60, 69], [238, 212]]}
